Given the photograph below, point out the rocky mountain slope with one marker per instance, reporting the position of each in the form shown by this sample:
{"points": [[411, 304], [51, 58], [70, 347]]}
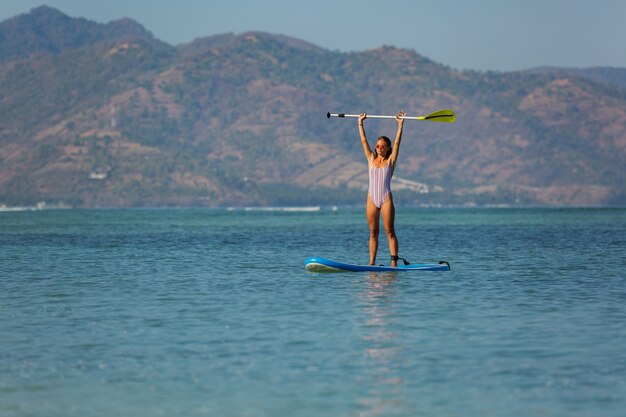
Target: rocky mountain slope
{"points": [[106, 115]]}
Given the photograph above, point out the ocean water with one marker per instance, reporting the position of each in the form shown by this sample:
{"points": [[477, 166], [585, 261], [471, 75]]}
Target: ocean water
{"points": [[209, 312]]}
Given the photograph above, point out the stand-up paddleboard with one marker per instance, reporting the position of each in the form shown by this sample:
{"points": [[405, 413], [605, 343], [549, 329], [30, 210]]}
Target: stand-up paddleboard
{"points": [[327, 265]]}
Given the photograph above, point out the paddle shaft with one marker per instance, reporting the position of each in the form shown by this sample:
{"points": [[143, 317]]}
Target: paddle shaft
{"points": [[373, 116]]}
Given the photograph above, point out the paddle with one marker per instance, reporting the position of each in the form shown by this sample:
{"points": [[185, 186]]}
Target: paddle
{"points": [[443, 116]]}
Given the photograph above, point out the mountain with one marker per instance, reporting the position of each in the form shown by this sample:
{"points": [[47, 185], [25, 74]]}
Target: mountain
{"points": [[122, 119], [611, 76], [47, 31]]}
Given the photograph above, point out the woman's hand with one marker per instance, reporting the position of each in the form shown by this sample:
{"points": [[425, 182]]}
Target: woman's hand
{"points": [[362, 117], [399, 117]]}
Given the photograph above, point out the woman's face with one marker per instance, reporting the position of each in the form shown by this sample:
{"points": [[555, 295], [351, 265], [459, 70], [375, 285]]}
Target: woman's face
{"points": [[382, 148]]}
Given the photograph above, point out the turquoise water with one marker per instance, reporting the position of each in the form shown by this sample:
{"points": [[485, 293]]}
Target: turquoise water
{"points": [[210, 312]]}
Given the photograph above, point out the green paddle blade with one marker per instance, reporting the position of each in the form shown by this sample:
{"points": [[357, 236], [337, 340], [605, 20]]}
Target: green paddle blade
{"points": [[445, 116]]}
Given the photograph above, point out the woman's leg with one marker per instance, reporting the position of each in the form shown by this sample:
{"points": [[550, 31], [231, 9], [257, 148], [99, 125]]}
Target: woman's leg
{"points": [[373, 218], [388, 211]]}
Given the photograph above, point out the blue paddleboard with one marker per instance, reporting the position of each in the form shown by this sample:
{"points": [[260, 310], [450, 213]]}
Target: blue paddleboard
{"points": [[327, 265]]}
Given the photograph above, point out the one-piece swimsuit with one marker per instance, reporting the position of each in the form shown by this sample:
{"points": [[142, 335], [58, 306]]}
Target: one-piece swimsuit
{"points": [[380, 183]]}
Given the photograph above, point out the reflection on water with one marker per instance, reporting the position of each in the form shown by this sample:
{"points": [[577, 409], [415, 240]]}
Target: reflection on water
{"points": [[381, 345]]}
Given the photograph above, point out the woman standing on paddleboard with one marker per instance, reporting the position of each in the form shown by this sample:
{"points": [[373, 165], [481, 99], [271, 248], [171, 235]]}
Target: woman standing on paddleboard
{"points": [[381, 164]]}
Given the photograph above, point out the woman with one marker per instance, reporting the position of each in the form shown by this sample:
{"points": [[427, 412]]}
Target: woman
{"points": [[379, 199]]}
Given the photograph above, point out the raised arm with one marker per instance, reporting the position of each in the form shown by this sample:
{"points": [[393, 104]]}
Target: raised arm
{"points": [[366, 146], [396, 143]]}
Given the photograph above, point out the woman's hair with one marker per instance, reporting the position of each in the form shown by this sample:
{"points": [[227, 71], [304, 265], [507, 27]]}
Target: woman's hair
{"points": [[388, 142]]}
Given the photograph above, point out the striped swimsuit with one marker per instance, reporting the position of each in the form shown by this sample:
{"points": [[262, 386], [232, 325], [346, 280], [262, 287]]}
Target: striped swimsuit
{"points": [[380, 184]]}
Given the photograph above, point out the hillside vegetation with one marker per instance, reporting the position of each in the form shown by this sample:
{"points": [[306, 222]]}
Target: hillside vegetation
{"points": [[105, 115]]}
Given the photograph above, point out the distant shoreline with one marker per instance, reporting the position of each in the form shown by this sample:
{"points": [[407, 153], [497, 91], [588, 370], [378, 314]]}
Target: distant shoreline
{"points": [[295, 209]]}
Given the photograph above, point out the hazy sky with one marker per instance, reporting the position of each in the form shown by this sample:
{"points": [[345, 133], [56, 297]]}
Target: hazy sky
{"points": [[500, 35]]}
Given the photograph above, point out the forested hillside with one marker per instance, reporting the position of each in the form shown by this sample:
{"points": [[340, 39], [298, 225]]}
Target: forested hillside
{"points": [[105, 115]]}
